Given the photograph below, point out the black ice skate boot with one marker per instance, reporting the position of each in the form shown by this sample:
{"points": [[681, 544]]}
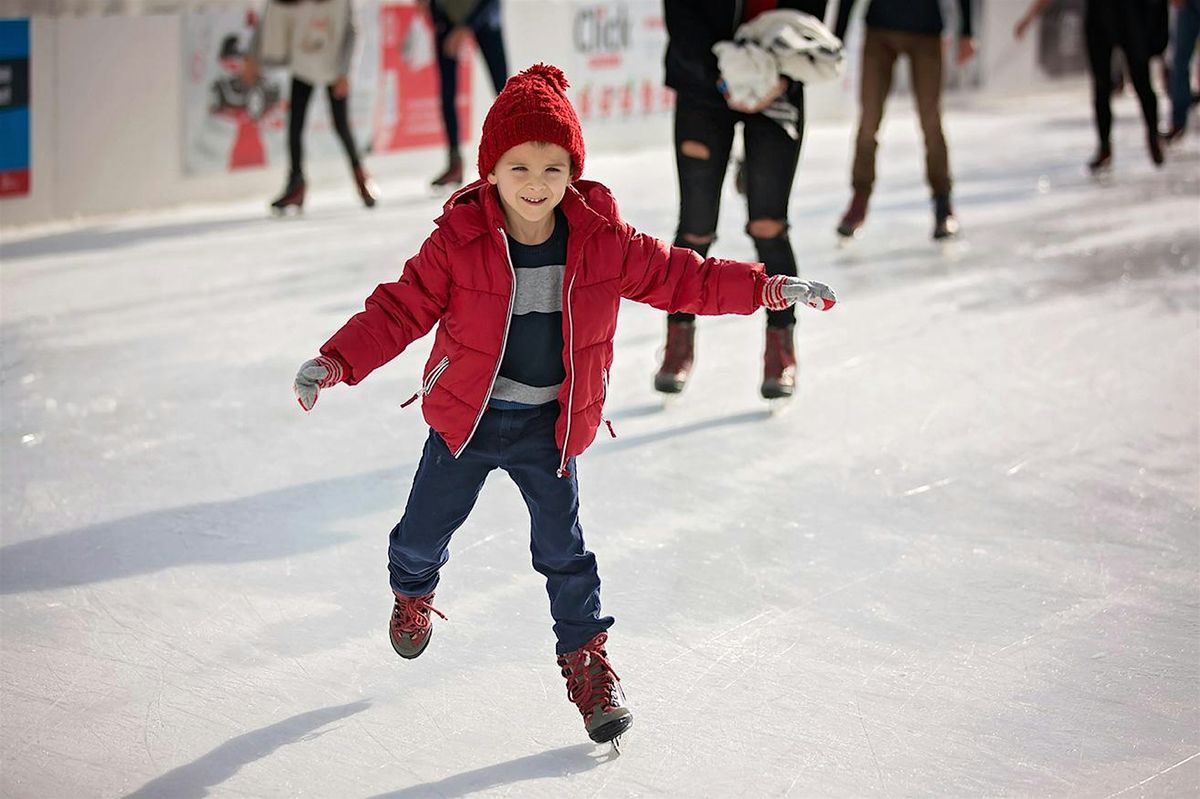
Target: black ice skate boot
{"points": [[366, 187], [855, 215], [293, 196], [1102, 162], [1173, 136], [1154, 146], [677, 358], [779, 363], [945, 225], [453, 176], [410, 628], [593, 686]]}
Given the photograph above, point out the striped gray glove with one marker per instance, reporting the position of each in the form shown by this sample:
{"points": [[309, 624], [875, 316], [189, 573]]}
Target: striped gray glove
{"points": [[780, 291], [321, 372]]}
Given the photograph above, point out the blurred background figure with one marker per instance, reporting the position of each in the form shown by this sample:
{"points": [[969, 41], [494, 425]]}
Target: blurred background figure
{"points": [[1183, 46], [1110, 24], [455, 22], [710, 102], [314, 39], [911, 28]]}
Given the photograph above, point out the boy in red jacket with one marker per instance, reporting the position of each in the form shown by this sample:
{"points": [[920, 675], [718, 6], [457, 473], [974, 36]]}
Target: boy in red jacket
{"points": [[525, 272]]}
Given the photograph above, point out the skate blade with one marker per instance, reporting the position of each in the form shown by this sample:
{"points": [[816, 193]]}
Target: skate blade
{"points": [[845, 242], [778, 405], [443, 191], [953, 248], [287, 211], [612, 731]]}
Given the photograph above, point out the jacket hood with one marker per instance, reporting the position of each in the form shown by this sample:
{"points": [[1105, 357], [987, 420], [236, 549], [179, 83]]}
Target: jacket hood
{"points": [[475, 209]]}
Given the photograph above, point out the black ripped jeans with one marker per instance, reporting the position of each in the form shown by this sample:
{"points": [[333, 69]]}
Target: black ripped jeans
{"points": [[771, 159], [339, 110]]}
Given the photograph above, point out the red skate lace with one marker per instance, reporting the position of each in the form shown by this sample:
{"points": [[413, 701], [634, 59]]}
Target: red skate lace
{"points": [[411, 613], [585, 689]]}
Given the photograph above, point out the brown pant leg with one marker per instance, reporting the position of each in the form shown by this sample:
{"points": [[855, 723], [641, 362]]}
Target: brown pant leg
{"points": [[878, 59], [925, 56]]}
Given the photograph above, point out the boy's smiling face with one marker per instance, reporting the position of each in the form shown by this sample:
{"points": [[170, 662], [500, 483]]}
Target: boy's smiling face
{"points": [[532, 179]]}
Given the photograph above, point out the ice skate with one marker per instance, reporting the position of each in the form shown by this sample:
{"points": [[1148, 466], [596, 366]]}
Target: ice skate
{"points": [[1101, 165], [779, 365], [1154, 145], [594, 688], [292, 197], [410, 628], [855, 216], [452, 177], [678, 356], [945, 224], [367, 189]]}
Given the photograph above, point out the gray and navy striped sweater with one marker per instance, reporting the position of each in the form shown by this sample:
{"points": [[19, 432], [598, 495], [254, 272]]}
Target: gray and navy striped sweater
{"points": [[532, 371]]}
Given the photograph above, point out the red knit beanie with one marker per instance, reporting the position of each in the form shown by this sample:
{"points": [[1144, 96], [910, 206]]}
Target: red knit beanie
{"points": [[533, 106]]}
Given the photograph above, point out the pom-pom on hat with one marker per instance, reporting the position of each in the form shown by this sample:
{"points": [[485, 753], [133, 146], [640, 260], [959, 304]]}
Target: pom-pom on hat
{"points": [[533, 106]]}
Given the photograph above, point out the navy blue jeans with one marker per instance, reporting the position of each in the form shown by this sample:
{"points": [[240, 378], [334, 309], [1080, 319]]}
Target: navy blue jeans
{"points": [[1187, 28], [521, 442]]}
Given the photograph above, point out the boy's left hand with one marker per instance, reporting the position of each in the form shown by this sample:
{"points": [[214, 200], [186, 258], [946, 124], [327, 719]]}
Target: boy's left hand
{"points": [[780, 291]]}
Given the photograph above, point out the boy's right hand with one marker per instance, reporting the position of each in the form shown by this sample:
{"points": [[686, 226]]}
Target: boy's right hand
{"points": [[314, 375], [781, 291]]}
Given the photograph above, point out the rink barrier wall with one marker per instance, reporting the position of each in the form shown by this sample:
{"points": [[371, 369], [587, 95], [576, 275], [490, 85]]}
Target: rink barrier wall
{"points": [[106, 88]]}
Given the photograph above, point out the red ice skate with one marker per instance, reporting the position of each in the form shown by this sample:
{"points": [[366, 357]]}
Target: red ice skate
{"points": [[593, 686]]}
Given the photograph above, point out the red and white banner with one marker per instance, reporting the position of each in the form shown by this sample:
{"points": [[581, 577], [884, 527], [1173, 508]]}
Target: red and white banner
{"points": [[409, 106]]}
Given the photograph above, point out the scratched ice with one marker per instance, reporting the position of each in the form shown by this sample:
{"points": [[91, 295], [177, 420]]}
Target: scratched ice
{"points": [[964, 562]]}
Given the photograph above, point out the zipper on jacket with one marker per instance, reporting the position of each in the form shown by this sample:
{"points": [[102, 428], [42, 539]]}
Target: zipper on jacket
{"points": [[430, 380], [512, 297], [562, 465], [604, 401]]}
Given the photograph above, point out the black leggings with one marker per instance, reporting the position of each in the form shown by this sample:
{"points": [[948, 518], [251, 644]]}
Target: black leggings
{"points": [[1123, 24], [339, 108], [771, 159]]}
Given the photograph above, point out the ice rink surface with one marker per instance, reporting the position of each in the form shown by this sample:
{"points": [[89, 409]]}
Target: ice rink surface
{"points": [[964, 562]]}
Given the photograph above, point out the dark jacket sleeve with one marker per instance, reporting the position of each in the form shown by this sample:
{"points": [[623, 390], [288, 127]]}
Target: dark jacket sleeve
{"points": [[481, 13], [964, 19], [690, 60], [396, 314], [843, 18]]}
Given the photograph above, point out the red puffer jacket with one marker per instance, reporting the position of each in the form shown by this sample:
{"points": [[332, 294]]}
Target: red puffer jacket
{"points": [[463, 277]]}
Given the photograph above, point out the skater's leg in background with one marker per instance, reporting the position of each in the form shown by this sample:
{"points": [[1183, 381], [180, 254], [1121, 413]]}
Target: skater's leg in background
{"points": [[556, 537], [1187, 28], [339, 109], [771, 160], [447, 81], [297, 111], [1132, 36], [878, 60], [925, 59], [703, 139], [490, 38], [1100, 49], [443, 492]]}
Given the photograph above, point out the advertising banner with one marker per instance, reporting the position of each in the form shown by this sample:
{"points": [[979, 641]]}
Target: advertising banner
{"points": [[409, 112], [616, 61], [14, 107], [229, 125]]}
